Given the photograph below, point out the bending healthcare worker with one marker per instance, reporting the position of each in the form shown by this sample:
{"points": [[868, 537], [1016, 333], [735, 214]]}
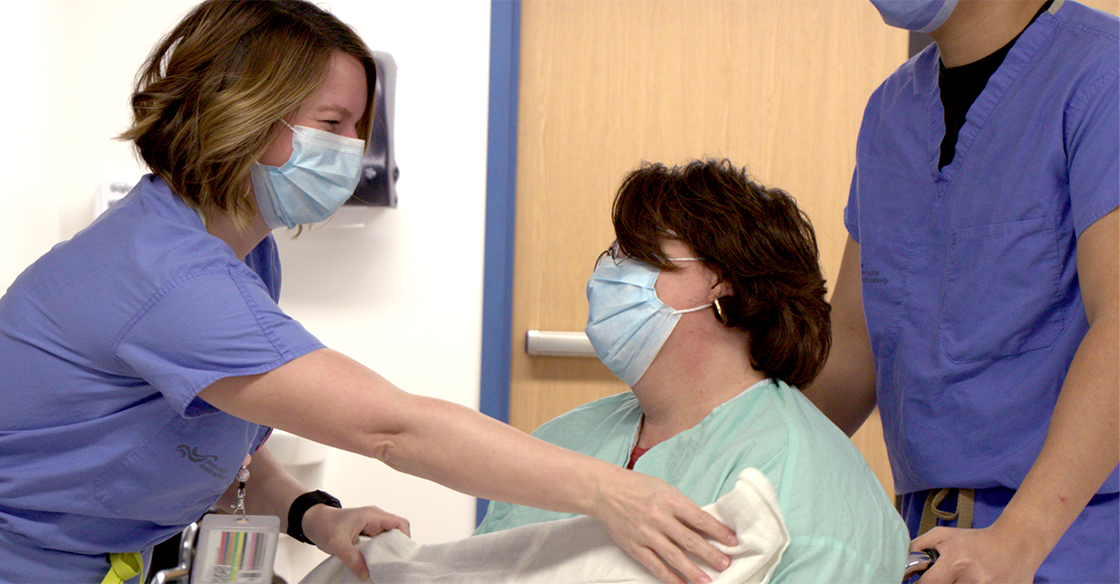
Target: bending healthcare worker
{"points": [[143, 362], [976, 303]]}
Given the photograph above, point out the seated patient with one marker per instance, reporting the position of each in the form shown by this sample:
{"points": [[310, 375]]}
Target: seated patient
{"points": [[710, 306]]}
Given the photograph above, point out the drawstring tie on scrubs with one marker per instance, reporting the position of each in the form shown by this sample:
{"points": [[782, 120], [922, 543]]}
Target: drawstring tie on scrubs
{"points": [[122, 567], [932, 511]]}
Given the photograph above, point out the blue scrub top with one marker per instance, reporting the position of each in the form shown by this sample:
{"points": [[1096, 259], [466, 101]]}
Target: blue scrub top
{"points": [[105, 343], [969, 273]]}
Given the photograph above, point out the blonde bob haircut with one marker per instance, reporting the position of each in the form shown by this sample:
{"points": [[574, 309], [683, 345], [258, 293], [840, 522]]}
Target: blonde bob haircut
{"points": [[208, 100]]}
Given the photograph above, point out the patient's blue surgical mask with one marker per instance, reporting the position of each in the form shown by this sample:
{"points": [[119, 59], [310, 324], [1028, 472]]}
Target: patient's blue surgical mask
{"points": [[916, 15], [626, 322], [317, 179]]}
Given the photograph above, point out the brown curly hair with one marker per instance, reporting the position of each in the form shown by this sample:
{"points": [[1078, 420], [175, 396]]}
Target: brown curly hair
{"points": [[754, 238], [208, 98]]}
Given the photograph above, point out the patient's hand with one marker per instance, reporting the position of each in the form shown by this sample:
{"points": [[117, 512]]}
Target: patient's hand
{"points": [[656, 524], [336, 531]]}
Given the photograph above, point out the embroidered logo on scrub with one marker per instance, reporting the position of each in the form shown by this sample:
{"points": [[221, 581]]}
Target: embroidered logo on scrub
{"points": [[872, 276], [207, 462]]}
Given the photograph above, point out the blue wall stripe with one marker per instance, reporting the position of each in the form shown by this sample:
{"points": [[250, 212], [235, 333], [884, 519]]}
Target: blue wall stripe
{"points": [[501, 183]]}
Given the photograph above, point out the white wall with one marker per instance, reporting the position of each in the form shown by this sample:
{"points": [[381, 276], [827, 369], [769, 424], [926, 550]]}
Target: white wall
{"points": [[402, 295]]}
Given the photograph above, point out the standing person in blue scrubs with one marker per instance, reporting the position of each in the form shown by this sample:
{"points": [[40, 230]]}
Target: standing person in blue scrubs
{"points": [[143, 361], [976, 303]]}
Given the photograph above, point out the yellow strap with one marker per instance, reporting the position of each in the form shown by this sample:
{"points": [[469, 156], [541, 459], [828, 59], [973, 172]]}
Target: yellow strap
{"points": [[123, 567]]}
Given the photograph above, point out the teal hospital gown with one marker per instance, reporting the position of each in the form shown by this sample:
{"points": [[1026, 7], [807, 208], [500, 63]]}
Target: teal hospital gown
{"points": [[843, 529]]}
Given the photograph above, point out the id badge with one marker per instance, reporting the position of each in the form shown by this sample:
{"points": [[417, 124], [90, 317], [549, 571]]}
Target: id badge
{"points": [[236, 549]]}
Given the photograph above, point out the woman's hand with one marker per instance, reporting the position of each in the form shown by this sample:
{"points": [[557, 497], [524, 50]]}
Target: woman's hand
{"points": [[336, 531], [656, 524]]}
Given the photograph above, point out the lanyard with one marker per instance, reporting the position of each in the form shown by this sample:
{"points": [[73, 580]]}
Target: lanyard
{"points": [[122, 567]]}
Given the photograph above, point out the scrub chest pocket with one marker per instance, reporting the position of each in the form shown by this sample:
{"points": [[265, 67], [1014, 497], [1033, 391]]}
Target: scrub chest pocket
{"points": [[188, 462], [1001, 291]]}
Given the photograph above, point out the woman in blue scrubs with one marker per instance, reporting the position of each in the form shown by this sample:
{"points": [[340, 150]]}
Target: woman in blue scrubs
{"points": [[976, 303], [144, 361]]}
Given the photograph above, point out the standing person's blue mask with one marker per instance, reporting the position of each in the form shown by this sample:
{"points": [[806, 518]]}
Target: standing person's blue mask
{"points": [[317, 179], [917, 15], [626, 322]]}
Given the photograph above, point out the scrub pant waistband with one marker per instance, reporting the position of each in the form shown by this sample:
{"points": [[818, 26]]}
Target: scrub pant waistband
{"points": [[958, 511]]}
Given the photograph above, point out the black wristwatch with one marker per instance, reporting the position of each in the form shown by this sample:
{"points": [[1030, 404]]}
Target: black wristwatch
{"points": [[301, 505]]}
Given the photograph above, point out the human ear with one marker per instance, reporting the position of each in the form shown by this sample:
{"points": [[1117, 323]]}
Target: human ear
{"points": [[719, 288]]}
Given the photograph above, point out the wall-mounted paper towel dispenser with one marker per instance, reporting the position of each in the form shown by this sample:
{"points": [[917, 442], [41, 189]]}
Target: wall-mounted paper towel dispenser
{"points": [[378, 185]]}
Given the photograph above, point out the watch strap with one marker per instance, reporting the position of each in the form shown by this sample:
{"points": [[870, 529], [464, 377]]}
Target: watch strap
{"points": [[299, 508]]}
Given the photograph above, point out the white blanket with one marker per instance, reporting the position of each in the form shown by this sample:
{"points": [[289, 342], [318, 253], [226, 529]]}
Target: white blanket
{"points": [[573, 551]]}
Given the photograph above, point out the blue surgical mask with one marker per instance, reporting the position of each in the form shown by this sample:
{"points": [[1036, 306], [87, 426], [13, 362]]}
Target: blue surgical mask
{"points": [[916, 15], [317, 179], [626, 322]]}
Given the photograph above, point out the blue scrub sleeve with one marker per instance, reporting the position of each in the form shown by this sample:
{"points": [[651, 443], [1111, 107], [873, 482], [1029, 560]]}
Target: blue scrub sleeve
{"points": [[1094, 152], [851, 211], [207, 327], [868, 121]]}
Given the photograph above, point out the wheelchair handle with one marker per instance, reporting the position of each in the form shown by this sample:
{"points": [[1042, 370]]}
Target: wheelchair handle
{"points": [[919, 562]]}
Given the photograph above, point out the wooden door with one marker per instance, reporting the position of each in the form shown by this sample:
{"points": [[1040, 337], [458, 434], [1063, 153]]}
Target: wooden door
{"points": [[776, 85]]}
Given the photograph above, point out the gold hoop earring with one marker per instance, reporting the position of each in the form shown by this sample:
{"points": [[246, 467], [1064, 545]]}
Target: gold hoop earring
{"points": [[719, 313]]}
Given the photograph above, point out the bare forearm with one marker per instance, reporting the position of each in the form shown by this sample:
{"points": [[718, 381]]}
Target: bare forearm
{"points": [[845, 389], [501, 462], [835, 390], [331, 399], [1081, 447]]}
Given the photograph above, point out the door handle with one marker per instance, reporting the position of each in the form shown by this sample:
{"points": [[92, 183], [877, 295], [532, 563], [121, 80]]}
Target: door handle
{"points": [[558, 344]]}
